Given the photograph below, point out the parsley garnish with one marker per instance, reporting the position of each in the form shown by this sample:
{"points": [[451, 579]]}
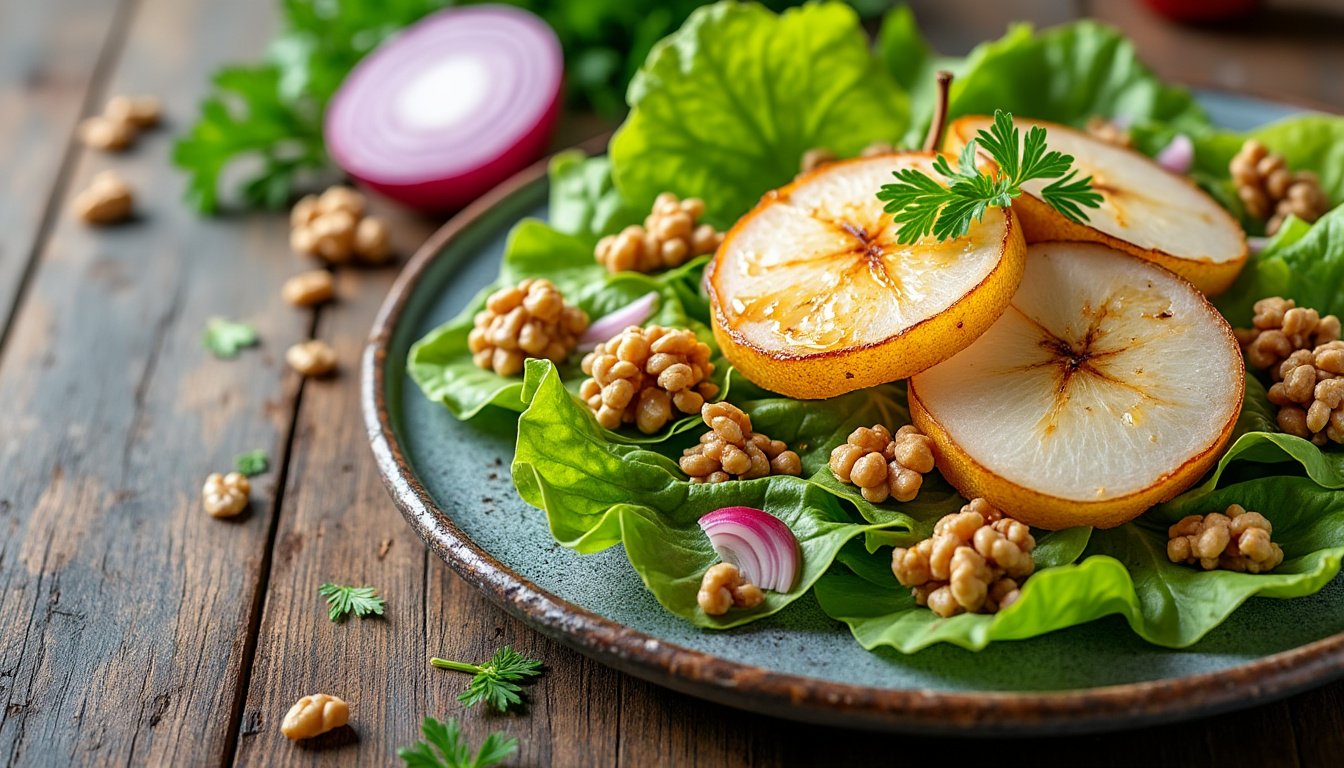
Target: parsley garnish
{"points": [[444, 747], [922, 205], [252, 463], [494, 681], [225, 338], [341, 601]]}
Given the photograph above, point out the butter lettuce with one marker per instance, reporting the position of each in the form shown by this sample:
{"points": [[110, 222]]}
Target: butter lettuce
{"points": [[584, 200], [1065, 74], [724, 108], [597, 494], [1304, 263], [1124, 571], [441, 364]]}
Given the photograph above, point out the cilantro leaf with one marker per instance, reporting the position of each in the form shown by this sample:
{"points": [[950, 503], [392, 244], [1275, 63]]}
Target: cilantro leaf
{"points": [[495, 681], [922, 206], [443, 746], [342, 601], [226, 338], [252, 463]]}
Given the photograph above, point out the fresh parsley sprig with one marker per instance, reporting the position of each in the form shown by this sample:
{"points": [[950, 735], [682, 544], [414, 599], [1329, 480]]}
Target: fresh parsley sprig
{"points": [[496, 680], [921, 205], [342, 601], [444, 747]]}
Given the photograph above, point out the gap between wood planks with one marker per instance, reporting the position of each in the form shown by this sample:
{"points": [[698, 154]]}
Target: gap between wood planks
{"points": [[94, 96]]}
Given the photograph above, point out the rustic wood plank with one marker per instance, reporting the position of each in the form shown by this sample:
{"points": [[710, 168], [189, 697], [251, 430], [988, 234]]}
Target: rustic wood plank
{"points": [[1288, 53], [124, 609], [50, 60], [1318, 719]]}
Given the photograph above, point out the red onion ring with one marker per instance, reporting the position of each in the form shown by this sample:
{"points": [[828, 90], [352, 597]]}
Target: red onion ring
{"points": [[757, 542], [452, 106], [607, 326], [1178, 156]]}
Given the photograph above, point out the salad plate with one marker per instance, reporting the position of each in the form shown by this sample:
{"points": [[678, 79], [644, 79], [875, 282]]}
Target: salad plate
{"points": [[451, 480]]}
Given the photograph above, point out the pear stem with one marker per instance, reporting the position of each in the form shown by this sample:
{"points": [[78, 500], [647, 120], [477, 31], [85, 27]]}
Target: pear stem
{"points": [[935, 134]]}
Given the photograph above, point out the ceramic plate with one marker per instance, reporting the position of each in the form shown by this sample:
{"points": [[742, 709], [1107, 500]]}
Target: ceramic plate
{"points": [[451, 481]]}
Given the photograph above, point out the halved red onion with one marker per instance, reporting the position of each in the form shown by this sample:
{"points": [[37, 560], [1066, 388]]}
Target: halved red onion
{"points": [[607, 326], [1178, 156], [1257, 244], [757, 542], [453, 105]]}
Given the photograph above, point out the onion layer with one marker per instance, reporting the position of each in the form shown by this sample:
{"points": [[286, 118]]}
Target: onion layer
{"points": [[1178, 156], [758, 543], [447, 109], [608, 325]]}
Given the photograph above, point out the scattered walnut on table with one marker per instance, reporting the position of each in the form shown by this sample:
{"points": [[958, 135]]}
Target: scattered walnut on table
{"points": [[530, 319], [311, 358], [309, 288], [646, 376], [138, 111], [314, 715], [884, 465], [107, 200], [730, 450], [724, 587], [975, 562], [1270, 191], [225, 495], [333, 226], [1234, 540], [669, 238], [120, 122]]}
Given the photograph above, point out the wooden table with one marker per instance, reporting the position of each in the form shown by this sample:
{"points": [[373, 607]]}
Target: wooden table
{"points": [[136, 630]]}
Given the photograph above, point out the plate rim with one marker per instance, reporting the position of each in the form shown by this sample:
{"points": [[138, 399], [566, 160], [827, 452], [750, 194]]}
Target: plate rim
{"points": [[757, 689]]}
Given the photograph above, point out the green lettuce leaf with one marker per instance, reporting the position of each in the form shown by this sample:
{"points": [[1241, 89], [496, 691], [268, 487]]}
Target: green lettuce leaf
{"points": [[584, 201], [1125, 571], [724, 108], [597, 494], [1302, 263], [441, 364], [1065, 74]]}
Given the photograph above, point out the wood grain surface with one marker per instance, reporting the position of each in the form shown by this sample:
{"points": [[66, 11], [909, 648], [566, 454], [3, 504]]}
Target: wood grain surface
{"points": [[135, 630]]}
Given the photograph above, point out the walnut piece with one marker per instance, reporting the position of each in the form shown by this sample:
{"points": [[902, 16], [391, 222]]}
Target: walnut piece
{"points": [[731, 451], [975, 562], [1279, 329], [314, 715], [724, 587], [333, 227], [225, 495], [1310, 393], [669, 238], [646, 376], [120, 123], [1268, 190], [309, 288], [138, 111], [530, 319], [884, 465], [107, 200], [311, 358], [1233, 540]]}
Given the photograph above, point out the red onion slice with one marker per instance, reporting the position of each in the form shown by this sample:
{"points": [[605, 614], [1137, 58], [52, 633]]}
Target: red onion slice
{"points": [[607, 326], [452, 106], [1178, 156], [757, 542], [1257, 244]]}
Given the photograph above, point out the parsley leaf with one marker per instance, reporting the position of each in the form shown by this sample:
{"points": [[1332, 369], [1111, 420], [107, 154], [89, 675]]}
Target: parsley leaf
{"points": [[444, 747], [495, 680], [342, 601], [252, 463], [226, 338], [923, 206]]}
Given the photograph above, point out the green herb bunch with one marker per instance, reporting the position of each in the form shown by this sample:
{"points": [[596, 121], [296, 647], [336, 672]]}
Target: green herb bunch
{"points": [[444, 746], [922, 205], [495, 681]]}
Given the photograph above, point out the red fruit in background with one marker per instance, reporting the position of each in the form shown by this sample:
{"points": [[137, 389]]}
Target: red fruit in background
{"points": [[1204, 10]]}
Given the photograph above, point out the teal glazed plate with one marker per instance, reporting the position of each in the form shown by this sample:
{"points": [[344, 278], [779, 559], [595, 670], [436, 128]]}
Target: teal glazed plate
{"points": [[451, 481]]}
